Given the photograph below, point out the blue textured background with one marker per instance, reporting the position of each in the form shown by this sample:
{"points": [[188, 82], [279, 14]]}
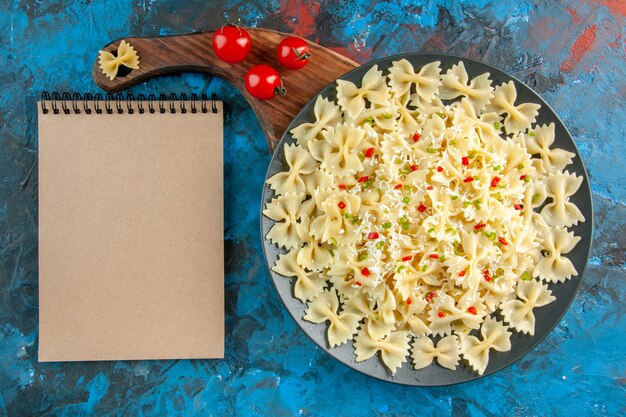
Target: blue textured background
{"points": [[572, 52]]}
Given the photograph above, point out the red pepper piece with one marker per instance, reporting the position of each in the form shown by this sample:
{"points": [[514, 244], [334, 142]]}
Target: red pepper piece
{"points": [[487, 275]]}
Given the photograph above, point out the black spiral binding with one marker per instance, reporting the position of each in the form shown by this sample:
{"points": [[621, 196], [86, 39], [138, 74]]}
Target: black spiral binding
{"points": [[66, 103]]}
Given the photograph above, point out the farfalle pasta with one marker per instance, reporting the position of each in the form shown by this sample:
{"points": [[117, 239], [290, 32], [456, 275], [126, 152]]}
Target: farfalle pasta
{"points": [[125, 56], [342, 325], [423, 216], [447, 352]]}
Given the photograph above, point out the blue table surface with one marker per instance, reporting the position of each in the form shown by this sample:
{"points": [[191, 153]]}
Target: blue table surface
{"points": [[572, 52]]}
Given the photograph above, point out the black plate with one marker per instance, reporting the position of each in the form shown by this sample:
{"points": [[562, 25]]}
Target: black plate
{"points": [[546, 317]]}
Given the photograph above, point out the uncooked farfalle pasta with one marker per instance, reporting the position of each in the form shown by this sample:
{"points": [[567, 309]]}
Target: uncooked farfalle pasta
{"points": [[126, 56], [413, 216]]}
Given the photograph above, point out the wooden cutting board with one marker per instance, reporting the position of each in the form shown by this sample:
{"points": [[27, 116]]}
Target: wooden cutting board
{"points": [[194, 53]]}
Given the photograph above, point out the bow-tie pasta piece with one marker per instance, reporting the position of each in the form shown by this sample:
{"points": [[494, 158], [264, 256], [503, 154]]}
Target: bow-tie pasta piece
{"points": [[387, 306], [284, 210], [560, 212], [308, 211], [326, 114], [333, 226], [517, 162], [486, 130], [406, 279], [339, 151], [393, 348], [472, 310], [455, 83], [445, 311], [536, 194], [392, 145], [440, 225], [426, 109], [520, 117], [367, 277], [346, 264], [497, 291], [464, 112], [407, 123], [466, 125], [433, 131], [539, 140], [324, 308], [361, 305], [300, 163], [553, 266], [476, 351], [345, 286], [402, 77], [126, 56], [447, 352], [414, 317], [473, 251], [370, 200], [308, 284], [519, 313], [317, 181], [381, 118], [522, 248], [314, 256], [373, 88]]}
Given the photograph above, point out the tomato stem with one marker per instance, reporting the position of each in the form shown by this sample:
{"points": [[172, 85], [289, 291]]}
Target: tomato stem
{"points": [[237, 24], [280, 90], [302, 56]]}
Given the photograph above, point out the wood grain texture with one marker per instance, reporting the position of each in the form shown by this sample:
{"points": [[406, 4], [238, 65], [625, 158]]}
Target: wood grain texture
{"points": [[194, 53]]}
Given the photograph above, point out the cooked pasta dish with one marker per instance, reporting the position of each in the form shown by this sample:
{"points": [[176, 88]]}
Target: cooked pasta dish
{"points": [[423, 214]]}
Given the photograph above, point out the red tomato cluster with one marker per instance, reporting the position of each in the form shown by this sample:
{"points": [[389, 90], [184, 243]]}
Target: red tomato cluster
{"points": [[232, 44]]}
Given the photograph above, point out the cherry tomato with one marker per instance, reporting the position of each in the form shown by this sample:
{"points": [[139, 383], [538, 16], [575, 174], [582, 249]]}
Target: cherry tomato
{"points": [[231, 43], [293, 53], [263, 82]]}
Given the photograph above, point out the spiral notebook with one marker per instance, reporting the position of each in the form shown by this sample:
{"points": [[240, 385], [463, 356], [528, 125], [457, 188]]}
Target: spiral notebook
{"points": [[130, 228]]}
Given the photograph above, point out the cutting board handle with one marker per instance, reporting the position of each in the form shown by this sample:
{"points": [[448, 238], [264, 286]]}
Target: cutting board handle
{"points": [[193, 53]]}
